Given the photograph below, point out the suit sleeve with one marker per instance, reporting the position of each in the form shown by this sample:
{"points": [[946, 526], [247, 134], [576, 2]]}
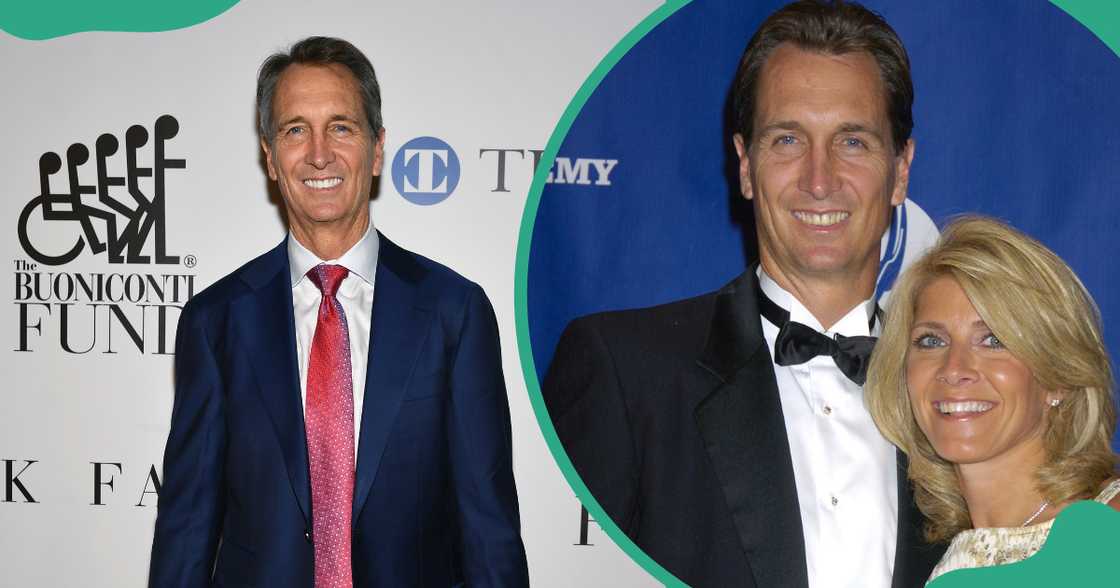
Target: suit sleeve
{"points": [[191, 500], [585, 400], [481, 460]]}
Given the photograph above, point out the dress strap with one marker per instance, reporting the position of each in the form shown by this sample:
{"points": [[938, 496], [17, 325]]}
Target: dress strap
{"points": [[1109, 492]]}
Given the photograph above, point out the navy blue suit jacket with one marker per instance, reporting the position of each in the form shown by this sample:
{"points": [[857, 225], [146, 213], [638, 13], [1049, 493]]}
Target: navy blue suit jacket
{"points": [[434, 497]]}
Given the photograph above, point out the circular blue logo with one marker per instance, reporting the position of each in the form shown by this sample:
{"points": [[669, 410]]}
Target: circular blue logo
{"points": [[425, 171]]}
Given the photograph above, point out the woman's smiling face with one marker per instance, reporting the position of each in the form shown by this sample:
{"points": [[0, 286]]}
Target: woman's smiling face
{"points": [[972, 398]]}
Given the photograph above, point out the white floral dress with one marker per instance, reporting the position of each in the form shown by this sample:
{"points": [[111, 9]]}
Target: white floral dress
{"points": [[976, 548]]}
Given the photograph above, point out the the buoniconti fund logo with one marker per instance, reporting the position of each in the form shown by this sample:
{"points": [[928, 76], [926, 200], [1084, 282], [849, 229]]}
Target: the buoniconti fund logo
{"points": [[122, 241], [112, 209], [425, 170]]}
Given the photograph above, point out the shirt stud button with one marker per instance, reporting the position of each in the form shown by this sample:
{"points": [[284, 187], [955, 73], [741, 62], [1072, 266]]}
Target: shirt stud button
{"points": [[827, 409], [835, 501]]}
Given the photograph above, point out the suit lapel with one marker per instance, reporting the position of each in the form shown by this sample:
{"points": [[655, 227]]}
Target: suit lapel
{"points": [[745, 437], [267, 326], [914, 559], [398, 329]]}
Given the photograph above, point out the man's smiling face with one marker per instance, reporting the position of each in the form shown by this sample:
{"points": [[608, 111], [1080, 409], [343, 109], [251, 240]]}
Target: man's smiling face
{"points": [[821, 167], [323, 155]]}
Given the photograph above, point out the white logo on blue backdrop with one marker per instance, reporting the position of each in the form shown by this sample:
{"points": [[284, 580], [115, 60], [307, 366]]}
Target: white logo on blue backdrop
{"points": [[425, 171], [910, 234]]}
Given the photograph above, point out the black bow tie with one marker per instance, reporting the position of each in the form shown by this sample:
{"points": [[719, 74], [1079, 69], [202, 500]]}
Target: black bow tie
{"points": [[798, 343]]}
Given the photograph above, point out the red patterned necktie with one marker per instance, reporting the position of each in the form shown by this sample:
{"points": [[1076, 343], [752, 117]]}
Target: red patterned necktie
{"points": [[330, 433]]}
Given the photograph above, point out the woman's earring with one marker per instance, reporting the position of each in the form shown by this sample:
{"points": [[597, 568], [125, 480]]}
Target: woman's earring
{"points": [[1055, 402]]}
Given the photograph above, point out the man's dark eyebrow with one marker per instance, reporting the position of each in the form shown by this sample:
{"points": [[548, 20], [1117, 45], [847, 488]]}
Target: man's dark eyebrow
{"points": [[300, 119], [860, 128], [294, 119], [782, 125], [792, 125]]}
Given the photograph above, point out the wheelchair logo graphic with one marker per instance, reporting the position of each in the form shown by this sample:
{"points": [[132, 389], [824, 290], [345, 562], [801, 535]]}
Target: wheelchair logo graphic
{"points": [[128, 225]]}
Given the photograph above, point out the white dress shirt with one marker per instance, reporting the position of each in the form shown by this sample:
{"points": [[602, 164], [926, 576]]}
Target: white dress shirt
{"points": [[847, 482], [356, 296]]}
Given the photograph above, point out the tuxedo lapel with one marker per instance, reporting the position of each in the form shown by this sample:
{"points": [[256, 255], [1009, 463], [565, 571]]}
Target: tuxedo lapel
{"points": [[745, 437], [266, 324], [397, 331], [914, 559]]}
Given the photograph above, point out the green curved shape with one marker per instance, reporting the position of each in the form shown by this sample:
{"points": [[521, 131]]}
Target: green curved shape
{"points": [[1080, 551], [521, 298], [1102, 18], [48, 19]]}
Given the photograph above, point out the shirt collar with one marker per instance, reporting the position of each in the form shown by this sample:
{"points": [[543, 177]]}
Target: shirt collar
{"points": [[855, 322], [361, 259]]}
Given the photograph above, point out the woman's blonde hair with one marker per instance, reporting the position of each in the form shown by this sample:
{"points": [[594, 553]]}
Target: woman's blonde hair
{"points": [[1035, 305]]}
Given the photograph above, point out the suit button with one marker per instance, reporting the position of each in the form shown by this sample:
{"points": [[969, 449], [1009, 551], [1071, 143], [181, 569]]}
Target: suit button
{"points": [[307, 535]]}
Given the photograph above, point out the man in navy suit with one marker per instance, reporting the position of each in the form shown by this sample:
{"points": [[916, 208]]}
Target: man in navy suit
{"points": [[340, 415]]}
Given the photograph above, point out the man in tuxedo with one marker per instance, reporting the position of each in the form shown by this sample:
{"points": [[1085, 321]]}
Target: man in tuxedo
{"points": [[340, 415], [726, 434]]}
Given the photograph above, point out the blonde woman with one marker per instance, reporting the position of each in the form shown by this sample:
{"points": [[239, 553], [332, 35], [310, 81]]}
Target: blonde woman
{"points": [[991, 374]]}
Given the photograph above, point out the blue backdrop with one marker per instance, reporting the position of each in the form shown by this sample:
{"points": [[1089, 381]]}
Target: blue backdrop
{"points": [[1014, 117]]}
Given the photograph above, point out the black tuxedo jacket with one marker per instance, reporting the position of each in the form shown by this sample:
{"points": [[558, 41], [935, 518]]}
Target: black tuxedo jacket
{"points": [[672, 418]]}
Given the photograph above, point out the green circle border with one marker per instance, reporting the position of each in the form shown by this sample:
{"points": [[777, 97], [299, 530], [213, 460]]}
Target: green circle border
{"points": [[1101, 18], [521, 299]]}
